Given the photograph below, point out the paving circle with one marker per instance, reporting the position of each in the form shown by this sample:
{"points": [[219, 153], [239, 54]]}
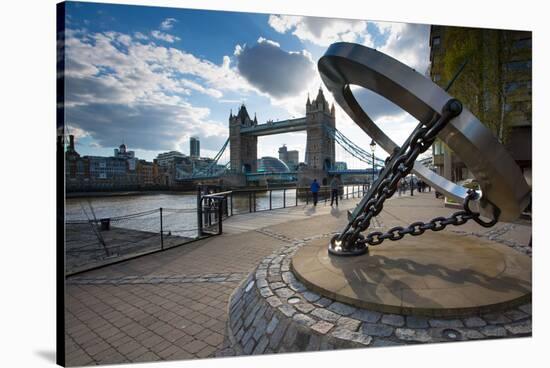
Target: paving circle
{"points": [[437, 274]]}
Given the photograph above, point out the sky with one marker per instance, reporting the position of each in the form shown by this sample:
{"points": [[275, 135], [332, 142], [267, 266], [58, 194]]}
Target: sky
{"points": [[152, 77]]}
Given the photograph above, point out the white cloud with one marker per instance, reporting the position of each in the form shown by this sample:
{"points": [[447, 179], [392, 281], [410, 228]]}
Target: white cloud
{"points": [[406, 42], [164, 36], [321, 31], [119, 86], [168, 23], [140, 36]]}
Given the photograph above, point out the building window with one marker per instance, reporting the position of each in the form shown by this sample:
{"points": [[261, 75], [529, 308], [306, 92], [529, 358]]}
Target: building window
{"points": [[514, 86], [437, 77], [516, 66], [438, 148], [436, 41], [524, 43]]}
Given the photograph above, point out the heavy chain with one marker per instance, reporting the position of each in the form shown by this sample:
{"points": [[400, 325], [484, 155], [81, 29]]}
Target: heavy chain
{"points": [[436, 224], [398, 165]]}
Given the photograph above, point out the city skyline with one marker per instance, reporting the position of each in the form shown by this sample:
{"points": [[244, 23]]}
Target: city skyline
{"points": [[153, 77]]}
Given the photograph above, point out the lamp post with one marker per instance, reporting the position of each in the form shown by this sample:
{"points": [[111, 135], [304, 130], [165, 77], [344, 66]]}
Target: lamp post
{"points": [[372, 148]]}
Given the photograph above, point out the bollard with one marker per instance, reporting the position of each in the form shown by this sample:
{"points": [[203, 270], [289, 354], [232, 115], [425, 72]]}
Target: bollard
{"points": [[161, 232]]}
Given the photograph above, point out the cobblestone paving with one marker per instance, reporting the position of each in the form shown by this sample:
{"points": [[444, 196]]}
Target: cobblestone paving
{"points": [[145, 322], [158, 279], [175, 304], [274, 312], [147, 309]]}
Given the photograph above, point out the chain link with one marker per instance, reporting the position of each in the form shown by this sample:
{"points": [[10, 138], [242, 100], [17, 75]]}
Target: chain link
{"points": [[398, 165], [419, 227]]}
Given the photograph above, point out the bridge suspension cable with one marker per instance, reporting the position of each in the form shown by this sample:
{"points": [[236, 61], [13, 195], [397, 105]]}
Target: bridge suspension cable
{"points": [[212, 169], [352, 148]]}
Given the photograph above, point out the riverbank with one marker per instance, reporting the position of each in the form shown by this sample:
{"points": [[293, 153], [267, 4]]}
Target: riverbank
{"points": [[124, 193]]}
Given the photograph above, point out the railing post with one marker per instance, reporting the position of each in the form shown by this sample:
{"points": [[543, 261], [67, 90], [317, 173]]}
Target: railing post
{"points": [[249, 202], [231, 198], [161, 232], [284, 198], [220, 213], [270, 202], [254, 196], [199, 213], [296, 195]]}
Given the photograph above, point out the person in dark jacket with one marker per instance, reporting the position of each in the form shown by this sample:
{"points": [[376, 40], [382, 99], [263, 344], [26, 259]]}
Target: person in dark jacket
{"points": [[315, 191], [334, 188]]}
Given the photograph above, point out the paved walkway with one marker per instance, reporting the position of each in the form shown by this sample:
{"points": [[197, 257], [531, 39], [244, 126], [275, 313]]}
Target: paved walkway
{"points": [[172, 305]]}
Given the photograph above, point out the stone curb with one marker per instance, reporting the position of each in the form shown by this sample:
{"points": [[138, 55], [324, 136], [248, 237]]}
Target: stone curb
{"points": [[272, 311]]}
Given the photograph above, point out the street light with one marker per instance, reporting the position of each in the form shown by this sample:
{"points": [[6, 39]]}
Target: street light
{"points": [[372, 148]]}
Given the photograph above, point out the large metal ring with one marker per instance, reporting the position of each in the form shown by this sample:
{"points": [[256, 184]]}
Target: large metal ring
{"points": [[501, 181]]}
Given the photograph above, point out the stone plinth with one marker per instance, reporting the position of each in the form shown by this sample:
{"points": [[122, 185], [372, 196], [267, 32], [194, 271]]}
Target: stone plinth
{"points": [[437, 274], [272, 311]]}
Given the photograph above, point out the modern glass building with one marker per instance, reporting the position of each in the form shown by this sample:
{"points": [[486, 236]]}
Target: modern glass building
{"points": [[272, 165]]}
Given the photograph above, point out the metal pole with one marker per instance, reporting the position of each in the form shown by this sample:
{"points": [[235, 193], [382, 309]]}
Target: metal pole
{"points": [[284, 198], [161, 230], [199, 213], [254, 201], [249, 202], [270, 204], [231, 198], [220, 209], [296, 194], [373, 167], [412, 186]]}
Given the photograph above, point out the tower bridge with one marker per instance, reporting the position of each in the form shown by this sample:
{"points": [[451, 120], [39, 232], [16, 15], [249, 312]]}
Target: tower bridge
{"points": [[320, 145], [319, 123]]}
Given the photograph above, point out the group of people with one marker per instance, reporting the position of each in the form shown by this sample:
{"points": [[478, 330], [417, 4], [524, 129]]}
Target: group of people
{"points": [[335, 185], [419, 185]]}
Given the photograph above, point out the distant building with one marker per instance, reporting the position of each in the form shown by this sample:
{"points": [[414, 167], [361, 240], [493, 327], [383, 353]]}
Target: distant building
{"points": [[168, 158], [495, 85], [121, 171], [122, 152], [272, 165], [195, 147], [71, 159], [147, 173], [290, 158]]}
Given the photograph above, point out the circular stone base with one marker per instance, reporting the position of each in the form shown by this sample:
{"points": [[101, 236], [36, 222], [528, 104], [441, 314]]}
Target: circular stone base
{"points": [[437, 274]]}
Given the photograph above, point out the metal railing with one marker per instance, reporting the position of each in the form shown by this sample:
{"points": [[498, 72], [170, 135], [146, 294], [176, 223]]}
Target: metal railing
{"points": [[96, 241], [212, 208]]}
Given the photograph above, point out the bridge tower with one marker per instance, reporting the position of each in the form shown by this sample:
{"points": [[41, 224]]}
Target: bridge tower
{"points": [[243, 148], [320, 147]]}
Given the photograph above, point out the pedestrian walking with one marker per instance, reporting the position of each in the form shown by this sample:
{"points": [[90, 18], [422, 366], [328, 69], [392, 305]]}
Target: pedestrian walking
{"points": [[334, 187], [315, 191]]}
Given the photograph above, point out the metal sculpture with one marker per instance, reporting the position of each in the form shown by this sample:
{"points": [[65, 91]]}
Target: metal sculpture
{"points": [[504, 191]]}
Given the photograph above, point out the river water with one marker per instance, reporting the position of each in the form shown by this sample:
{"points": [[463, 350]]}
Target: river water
{"points": [[179, 209]]}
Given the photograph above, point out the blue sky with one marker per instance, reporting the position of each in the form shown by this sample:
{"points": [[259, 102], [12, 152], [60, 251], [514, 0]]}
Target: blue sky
{"points": [[152, 77]]}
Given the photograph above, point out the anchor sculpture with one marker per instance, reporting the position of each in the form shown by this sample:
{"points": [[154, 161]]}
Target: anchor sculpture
{"points": [[504, 191]]}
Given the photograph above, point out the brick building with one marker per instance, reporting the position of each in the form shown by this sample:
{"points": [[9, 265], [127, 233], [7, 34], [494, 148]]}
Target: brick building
{"points": [[495, 85]]}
